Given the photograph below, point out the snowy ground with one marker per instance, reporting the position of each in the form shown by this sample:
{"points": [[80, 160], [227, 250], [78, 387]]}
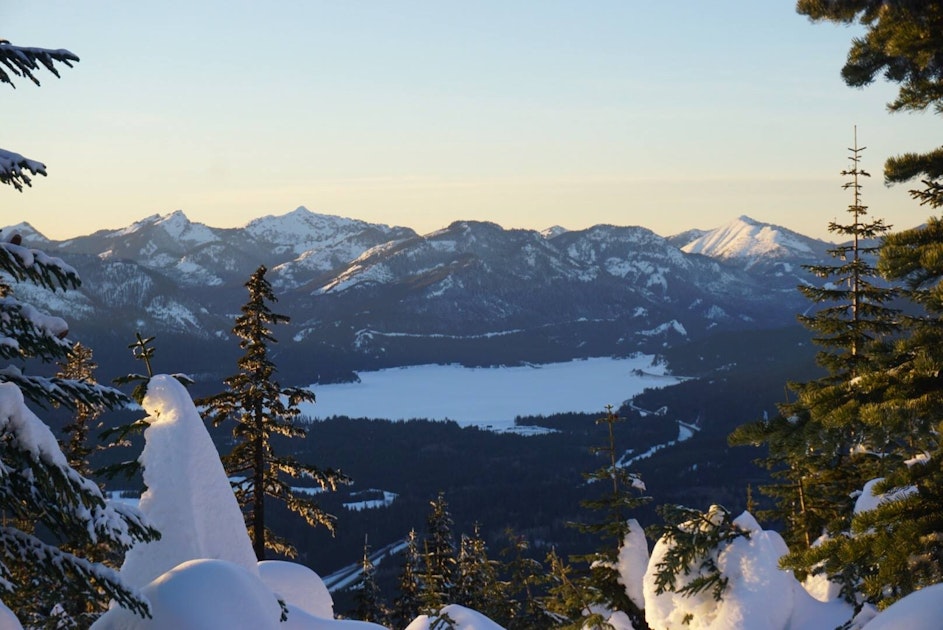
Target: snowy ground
{"points": [[489, 397]]}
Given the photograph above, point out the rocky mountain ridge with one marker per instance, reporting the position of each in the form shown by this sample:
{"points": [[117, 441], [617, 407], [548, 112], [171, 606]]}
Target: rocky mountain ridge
{"points": [[365, 295]]}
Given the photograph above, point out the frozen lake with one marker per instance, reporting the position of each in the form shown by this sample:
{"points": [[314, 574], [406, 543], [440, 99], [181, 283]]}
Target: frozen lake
{"points": [[489, 397]]}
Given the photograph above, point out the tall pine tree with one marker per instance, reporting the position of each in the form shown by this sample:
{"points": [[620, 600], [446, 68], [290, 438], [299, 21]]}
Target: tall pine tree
{"points": [[261, 409]]}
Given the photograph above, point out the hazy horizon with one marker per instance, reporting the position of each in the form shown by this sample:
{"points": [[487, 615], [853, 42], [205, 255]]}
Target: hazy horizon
{"points": [[666, 115]]}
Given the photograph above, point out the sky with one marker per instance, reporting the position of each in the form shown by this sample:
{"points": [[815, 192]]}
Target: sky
{"points": [[670, 115]]}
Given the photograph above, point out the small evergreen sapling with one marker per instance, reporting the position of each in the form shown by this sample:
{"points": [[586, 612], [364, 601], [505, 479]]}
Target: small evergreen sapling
{"points": [[370, 605], [406, 607]]}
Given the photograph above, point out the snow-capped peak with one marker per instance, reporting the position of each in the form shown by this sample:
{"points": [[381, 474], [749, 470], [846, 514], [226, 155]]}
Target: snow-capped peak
{"points": [[554, 230], [747, 238], [30, 235]]}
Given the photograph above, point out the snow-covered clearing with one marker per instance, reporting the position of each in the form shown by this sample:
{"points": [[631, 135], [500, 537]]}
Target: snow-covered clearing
{"points": [[489, 397]]}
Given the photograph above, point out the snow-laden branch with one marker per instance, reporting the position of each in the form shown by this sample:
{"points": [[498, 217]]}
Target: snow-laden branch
{"points": [[23, 61], [15, 170]]}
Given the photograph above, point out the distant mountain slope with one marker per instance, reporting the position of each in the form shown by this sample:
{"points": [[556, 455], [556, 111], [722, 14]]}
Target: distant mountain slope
{"points": [[368, 295], [751, 242]]}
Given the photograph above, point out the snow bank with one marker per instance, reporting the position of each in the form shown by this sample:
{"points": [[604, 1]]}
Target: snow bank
{"points": [[202, 574], [633, 560], [202, 594], [298, 586], [759, 595], [8, 620], [464, 618], [921, 610], [189, 498]]}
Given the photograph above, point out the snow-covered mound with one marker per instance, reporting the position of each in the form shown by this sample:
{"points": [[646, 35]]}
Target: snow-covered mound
{"points": [[8, 620], [188, 498], [759, 595], [464, 618], [202, 574], [744, 238], [633, 560], [921, 610], [298, 586], [202, 594]]}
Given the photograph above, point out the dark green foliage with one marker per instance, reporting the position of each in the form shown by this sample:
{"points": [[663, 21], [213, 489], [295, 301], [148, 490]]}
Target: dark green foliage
{"points": [[439, 556], [599, 586], [821, 447], [407, 605], [476, 578], [261, 409], [903, 43], [568, 603], [79, 366], [895, 549], [370, 606], [524, 581], [695, 539]]}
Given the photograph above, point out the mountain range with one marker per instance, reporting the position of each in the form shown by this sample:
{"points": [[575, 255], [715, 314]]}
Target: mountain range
{"points": [[363, 295]]}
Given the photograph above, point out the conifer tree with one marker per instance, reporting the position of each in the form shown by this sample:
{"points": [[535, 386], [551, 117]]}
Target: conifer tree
{"points": [[370, 605], [143, 350], [895, 548], [621, 493], [821, 445], [38, 487], [79, 365], [439, 556], [476, 582], [902, 43], [525, 580], [406, 607], [260, 409]]}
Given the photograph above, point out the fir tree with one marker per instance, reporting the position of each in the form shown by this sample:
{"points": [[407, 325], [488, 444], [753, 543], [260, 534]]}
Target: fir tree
{"points": [[439, 556], [261, 409], [525, 580], [407, 605], [38, 487], [822, 447], [476, 582], [143, 350], [568, 602], [79, 365], [903, 42], [621, 494], [370, 605], [895, 548]]}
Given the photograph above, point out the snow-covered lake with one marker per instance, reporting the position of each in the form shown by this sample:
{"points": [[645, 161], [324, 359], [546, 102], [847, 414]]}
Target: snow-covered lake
{"points": [[489, 397]]}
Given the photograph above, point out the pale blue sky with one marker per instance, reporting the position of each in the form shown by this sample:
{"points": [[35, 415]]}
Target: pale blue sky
{"points": [[666, 114]]}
